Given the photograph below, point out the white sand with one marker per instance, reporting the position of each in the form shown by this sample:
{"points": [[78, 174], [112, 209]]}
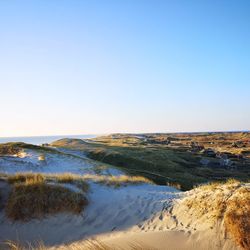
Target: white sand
{"points": [[67, 161], [147, 214], [121, 216]]}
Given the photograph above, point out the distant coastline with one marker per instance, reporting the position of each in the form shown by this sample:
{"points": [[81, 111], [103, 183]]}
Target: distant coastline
{"points": [[48, 139], [42, 139]]}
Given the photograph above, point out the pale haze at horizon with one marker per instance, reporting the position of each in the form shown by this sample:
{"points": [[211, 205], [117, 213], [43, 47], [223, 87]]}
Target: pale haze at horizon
{"points": [[94, 67]]}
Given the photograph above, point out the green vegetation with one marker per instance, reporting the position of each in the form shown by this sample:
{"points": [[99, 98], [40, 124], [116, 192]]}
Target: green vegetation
{"points": [[159, 165], [13, 148], [9, 149], [169, 158]]}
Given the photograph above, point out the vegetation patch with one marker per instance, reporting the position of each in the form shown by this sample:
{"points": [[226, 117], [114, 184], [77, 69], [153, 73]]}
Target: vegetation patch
{"points": [[27, 178], [9, 149], [183, 160], [87, 245], [230, 202], [14, 148], [29, 201], [117, 181], [75, 179], [237, 217], [33, 196]]}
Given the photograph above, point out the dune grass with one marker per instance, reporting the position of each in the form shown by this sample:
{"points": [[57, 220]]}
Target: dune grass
{"points": [[168, 163], [228, 202], [35, 195], [32, 196], [117, 181], [9, 149], [211, 186], [87, 245], [27, 178], [75, 179], [237, 217], [78, 180], [36, 200], [15, 245], [28, 201]]}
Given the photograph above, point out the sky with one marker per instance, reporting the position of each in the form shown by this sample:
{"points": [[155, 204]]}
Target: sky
{"points": [[134, 66]]}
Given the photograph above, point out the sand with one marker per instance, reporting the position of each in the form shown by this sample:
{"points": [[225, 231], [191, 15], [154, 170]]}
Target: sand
{"points": [[144, 214], [65, 160], [149, 215]]}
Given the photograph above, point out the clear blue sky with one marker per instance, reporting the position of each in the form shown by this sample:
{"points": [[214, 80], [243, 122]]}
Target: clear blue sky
{"points": [[79, 67]]}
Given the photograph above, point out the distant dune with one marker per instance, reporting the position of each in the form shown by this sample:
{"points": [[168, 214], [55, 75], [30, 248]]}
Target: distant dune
{"points": [[100, 206]]}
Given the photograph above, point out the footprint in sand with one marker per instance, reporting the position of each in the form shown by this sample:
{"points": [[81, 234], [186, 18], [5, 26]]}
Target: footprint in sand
{"points": [[161, 217]]}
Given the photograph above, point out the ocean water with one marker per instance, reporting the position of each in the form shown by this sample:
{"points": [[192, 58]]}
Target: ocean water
{"points": [[37, 140]]}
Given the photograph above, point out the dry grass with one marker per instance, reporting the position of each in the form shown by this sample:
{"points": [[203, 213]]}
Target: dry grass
{"points": [[28, 201], [117, 181], [66, 177], [237, 217], [87, 245], [33, 197], [9, 149], [27, 178], [77, 180], [231, 183], [14, 245], [228, 202]]}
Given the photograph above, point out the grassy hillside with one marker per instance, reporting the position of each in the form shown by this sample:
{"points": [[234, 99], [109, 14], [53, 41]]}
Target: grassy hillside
{"points": [[165, 158]]}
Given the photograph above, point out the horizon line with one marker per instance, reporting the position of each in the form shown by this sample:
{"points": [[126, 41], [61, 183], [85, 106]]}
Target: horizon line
{"points": [[134, 133]]}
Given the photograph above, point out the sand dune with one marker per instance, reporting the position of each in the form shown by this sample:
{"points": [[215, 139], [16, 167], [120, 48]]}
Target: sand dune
{"points": [[159, 217], [150, 215]]}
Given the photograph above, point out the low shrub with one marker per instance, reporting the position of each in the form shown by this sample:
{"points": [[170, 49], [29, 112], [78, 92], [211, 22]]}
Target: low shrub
{"points": [[36, 199]]}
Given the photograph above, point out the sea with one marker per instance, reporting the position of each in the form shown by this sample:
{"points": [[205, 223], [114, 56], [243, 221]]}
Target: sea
{"points": [[38, 140]]}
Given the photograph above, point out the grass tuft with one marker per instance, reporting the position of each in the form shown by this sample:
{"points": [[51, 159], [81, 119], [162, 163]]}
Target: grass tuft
{"points": [[237, 217], [78, 180], [87, 245], [36, 200], [117, 181], [32, 196], [27, 178], [230, 202]]}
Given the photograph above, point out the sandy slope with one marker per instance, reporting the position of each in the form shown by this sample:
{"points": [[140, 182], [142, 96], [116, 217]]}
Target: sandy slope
{"points": [[109, 210], [121, 216], [64, 161], [155, 216]]}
